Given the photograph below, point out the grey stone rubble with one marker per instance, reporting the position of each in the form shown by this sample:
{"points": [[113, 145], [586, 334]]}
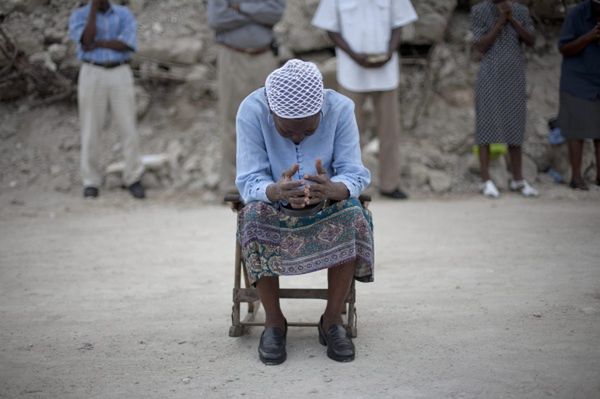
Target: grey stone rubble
{"points": [[175, 89]]}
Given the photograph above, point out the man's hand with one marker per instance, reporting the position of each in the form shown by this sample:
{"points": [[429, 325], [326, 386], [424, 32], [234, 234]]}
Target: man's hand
{"points": [[363, 60], [322, 188], [380, 62], [235, 7], [89, 47], [506, 9], [593, 35], [506, 16], [287, 189]]}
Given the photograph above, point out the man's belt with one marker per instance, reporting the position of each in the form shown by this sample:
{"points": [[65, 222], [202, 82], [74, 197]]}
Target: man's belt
{"points": [[249, 51], [108, 65]]}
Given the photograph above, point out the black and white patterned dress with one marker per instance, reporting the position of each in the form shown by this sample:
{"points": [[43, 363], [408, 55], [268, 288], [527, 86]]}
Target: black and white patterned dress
{"points": [[500, 92]]}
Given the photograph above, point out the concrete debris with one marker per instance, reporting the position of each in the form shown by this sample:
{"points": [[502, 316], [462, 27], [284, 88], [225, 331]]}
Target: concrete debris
{"points": [[176, 96]]}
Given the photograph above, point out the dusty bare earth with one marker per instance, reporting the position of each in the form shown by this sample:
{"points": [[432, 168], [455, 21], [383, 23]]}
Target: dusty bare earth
{"points": [[473, 299]]}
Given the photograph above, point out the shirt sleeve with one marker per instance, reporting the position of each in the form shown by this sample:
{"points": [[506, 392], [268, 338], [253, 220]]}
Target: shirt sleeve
{"points": [[221, 18], [347, 164], [77, 23], [568, 32], [326, 16], [267, 12], [403, 13], [478, 25], [128, 30], [252, 162]]}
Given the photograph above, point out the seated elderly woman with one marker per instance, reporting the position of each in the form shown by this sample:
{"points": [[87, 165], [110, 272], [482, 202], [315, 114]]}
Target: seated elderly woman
{"points": [[299, 172]]}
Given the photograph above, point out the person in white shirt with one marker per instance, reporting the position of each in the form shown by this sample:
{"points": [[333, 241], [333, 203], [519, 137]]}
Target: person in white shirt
{"points": [[367, 35]]}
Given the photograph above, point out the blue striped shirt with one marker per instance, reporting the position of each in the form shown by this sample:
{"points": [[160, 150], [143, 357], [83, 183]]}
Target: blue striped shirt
{"points": [[263, 154], [117, 23]]}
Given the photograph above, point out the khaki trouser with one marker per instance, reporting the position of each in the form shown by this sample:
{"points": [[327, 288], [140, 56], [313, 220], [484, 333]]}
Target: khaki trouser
{"points": [[239, 74], [388, 131], [98, 88]]}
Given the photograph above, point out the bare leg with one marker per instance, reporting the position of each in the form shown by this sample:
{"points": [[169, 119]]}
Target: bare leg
{"points": [[339, 280], [575, 155], [516, 162], [597, 148], [268, 292], [484, 162]]}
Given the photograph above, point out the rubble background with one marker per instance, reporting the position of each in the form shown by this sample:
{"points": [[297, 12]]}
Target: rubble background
{"points": [[175, 82]]}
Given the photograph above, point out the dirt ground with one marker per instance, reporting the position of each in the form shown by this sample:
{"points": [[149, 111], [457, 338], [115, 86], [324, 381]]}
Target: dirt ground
{"points": [[473, 299]]}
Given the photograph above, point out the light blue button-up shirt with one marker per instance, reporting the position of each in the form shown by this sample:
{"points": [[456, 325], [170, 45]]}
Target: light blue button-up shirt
{"points": [[117, 23], [263, 154]]}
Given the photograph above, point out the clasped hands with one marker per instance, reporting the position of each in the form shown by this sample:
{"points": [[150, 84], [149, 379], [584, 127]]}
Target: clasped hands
{"points": [[311, 190], [506, 14]]}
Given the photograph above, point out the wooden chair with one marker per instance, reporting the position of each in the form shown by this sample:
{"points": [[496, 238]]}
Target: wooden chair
{"points": [[249, 295]]}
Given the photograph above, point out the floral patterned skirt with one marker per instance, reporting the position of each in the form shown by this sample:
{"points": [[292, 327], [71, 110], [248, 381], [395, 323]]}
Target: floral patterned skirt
{"points": [[275, 244]]}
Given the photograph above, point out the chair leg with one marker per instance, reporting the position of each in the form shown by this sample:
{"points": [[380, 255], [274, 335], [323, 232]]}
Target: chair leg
{"points": [[352, 321], [236, 328], [247, 285], [351, 326]]}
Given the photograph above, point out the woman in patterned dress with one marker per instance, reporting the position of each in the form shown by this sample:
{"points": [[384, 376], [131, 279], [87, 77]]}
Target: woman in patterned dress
{"points": [[299, 172], [499, 27]]}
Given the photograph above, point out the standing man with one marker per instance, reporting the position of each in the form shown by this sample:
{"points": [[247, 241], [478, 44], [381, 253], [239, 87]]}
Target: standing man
{"points": [[244, 29], [367, 36], [106, 39], [579, 116]]}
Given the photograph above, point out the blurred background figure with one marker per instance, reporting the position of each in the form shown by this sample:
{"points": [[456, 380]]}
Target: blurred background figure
{"points": [[106, 39], [579, 116], [244, 29], [367, 36], [499, 27]]}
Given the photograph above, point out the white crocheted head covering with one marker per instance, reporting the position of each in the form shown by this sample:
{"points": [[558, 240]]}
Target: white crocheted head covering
{"points": [[295, 90]]}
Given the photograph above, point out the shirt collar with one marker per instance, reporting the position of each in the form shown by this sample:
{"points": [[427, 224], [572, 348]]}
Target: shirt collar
{"points": [[110, 10]]}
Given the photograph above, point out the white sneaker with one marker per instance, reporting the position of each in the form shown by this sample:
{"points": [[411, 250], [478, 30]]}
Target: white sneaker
{"points": [[525, 188], [490, 190]]}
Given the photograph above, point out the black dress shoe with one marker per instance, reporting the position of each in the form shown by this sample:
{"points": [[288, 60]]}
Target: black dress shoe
{"points": [[90, 192], [137, 190], [579, 185], [339, 344], [271, 349], [396, 194]]}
